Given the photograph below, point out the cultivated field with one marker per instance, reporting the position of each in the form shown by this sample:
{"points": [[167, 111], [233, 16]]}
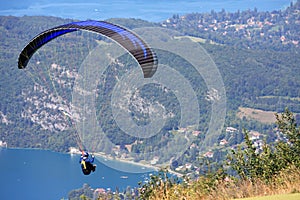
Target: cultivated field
{"points": [[267, 117]]}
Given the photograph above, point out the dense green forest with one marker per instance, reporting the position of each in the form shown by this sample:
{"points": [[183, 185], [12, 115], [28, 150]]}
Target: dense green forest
{"points": [[257, 54]]}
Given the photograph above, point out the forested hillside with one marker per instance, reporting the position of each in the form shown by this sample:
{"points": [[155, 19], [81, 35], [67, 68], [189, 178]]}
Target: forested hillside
{"points": [[257, 54]]}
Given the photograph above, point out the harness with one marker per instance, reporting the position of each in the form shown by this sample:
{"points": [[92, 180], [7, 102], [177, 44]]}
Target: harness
{"points": [[83, 164]]}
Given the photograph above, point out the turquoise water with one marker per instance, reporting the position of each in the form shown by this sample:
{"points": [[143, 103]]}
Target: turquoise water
{"points": [[154, 10], [39, 174]]}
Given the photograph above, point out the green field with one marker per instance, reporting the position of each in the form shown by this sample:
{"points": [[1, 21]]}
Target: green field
{"points": [[295, 196]]}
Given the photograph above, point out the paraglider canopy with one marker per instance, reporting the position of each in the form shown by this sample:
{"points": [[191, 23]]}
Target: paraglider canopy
{"points": [[127, 39]]}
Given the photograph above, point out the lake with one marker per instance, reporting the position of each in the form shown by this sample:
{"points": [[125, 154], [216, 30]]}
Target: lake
{"points": [[40, 174], [154, 10]]}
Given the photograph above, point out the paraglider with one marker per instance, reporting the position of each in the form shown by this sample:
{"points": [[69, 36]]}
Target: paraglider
{"points": [[127, 39], [130, 41], [86, 162]]}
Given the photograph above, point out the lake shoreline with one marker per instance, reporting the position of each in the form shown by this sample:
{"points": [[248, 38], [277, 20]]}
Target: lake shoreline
{"points": [[110, 158], [140, 164], [152, 11], [38, 173]]}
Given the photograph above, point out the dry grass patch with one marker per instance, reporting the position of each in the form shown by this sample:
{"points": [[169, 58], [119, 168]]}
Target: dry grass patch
{"points": [[287, 182], [267, 117], [295, 196]]}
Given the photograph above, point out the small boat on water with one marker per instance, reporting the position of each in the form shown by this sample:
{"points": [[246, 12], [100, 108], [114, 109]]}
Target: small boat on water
{"points": [[3, 144]]}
